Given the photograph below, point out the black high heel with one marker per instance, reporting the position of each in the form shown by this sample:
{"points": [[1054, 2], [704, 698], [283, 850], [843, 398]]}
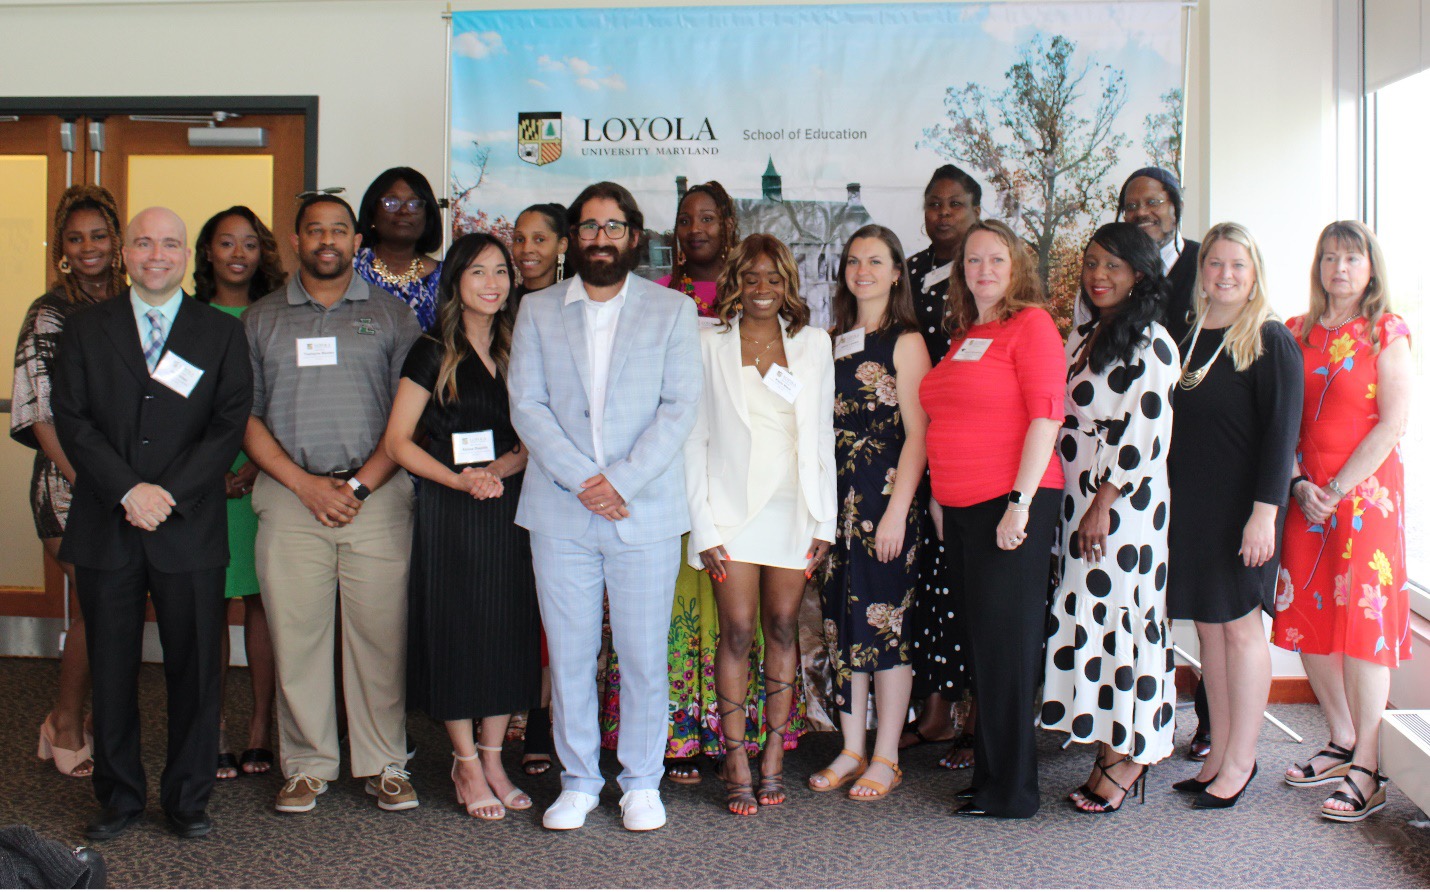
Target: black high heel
{"points": [[1192, 785], [1207, 800], [1138, 787], [1084, 791]]}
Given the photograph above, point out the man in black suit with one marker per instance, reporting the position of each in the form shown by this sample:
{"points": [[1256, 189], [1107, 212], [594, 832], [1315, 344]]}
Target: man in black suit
{"points": [[152, 394], [1152, 199]]}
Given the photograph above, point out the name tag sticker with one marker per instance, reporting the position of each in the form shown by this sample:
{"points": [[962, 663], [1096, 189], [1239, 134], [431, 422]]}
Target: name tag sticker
{"points": [[783, 382], [707, 321], [473, 446], [973, 349], [177, 374], [317, 351], [849, 343], [939, 275]]}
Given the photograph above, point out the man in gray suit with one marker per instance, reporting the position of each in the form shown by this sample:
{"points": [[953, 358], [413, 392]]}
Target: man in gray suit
{"points": [[605, 378]]}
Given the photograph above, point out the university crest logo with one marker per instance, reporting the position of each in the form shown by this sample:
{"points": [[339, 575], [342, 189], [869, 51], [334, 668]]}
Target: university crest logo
{"points": [[538, 137]]}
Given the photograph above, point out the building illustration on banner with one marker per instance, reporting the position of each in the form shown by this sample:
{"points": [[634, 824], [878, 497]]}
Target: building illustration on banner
{"points": [[816, 232]]}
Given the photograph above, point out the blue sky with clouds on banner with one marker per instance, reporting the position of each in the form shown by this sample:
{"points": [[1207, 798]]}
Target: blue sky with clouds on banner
{"points": [[879, 70]]}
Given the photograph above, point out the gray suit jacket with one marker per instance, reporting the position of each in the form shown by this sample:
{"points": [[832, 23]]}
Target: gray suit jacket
{"points": [[652, 394]]}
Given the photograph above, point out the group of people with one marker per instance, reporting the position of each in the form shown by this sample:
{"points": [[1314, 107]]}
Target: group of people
{"points": [[457, 474]]}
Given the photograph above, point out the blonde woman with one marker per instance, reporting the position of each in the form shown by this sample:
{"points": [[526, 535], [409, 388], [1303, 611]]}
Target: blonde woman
{"points": [[1341, 602], [760, 479], [1237, 410]]}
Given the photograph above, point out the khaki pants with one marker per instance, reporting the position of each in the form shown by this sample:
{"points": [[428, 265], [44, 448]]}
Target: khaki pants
{"points": [[304, 568]]}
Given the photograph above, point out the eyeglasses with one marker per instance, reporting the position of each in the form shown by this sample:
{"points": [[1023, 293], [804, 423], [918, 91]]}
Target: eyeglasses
{"points": [[588, 229], [393, 205], [1150, 204]]}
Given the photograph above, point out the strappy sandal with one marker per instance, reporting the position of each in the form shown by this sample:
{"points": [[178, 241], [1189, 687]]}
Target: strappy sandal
{"points": [[772, 786], [1309, 778], [515, 793], [1084, 791], [1361, 806], [262, 759], [683, 771], [834, 781], [1138, 787], [961, 742], [880, 791], [737, 794], [475, 804]]}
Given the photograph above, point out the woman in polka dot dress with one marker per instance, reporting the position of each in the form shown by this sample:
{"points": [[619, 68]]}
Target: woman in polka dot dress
{"points": [[1109, 674]]}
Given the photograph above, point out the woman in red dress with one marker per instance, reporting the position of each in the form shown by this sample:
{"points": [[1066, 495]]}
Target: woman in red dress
{"points": [[1341, 599]]}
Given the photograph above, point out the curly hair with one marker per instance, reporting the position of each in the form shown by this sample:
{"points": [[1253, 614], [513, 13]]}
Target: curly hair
{"points": [[1118, 339], [729, 226], [1025, 289], [87, 198], [730, 286], [268, 278], [448, 330]]}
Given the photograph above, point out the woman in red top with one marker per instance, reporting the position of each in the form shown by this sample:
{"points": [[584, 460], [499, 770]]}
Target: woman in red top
{"points": [[1341, 599], [995, 406]]}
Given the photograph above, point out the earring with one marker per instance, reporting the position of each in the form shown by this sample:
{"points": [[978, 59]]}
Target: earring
{"points": [[560, 267], [65, 265]]}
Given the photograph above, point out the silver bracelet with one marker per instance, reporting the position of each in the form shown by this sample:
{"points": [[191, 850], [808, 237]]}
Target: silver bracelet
{"points": [[1334, 486], [1017, 509]]}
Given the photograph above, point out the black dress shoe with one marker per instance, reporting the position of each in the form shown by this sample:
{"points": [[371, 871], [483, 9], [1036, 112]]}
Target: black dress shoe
{"points": [[190, 824], [966, 793], [1192, 785], [109, 823], [1207, 800], [969, 810]]}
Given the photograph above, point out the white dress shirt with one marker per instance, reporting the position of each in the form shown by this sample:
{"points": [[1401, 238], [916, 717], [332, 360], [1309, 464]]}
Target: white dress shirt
{"points": [[1171, 251], [601, 319]]}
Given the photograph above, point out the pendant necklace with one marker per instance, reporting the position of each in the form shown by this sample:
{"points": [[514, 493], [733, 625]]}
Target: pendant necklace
{"points": [[1190, 380]]}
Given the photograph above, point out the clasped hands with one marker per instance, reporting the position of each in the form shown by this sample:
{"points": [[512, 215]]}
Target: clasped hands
{"points": [[147, 505], [480, 483], [601, 498], [1317, 502]]}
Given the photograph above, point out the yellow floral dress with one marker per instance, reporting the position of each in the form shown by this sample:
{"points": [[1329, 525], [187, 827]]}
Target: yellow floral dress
{"points": [[866, 601], [1342, 586]]}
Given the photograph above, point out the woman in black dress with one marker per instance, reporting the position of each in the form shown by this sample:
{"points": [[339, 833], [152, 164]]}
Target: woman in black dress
{"points": [[1237, 413], [952, 203], [879, 362], [474, 646]]}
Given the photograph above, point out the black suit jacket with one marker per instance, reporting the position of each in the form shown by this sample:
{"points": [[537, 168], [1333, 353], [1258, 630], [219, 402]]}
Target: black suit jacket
{"points": [[119, 427], [1182, 277]]}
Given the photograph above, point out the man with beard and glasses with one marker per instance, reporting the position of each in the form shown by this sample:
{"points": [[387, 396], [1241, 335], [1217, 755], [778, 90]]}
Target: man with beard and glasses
{"points": [[605, 378], [334, 523]]}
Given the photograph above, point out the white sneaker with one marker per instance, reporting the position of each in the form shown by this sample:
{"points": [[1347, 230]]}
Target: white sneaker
{"points": [[569, 810], [642, 810]]}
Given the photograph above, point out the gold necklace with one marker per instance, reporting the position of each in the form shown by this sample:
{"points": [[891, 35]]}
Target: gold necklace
{"points": [[411, 277], [1189, 380], [761, 355]]}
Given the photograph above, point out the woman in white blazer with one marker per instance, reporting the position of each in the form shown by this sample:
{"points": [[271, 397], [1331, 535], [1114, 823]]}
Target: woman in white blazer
{"points": [[760, 477]]}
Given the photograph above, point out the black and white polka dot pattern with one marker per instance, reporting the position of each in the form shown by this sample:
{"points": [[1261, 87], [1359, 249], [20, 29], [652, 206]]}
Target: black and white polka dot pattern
{"points": [[1109, 671]]}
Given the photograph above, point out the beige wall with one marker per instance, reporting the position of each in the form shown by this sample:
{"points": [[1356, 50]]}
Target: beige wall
{"points": [[1261, 127]]}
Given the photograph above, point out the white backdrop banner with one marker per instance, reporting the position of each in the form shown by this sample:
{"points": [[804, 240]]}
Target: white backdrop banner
{"points": [[818, 119]]}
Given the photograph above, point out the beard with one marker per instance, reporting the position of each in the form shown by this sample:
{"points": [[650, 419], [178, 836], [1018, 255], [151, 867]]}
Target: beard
{"points": [[612, 267]]}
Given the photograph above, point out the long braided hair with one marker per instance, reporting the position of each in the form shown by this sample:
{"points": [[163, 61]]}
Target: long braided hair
{"points": [[729, 227], [86, 198]]}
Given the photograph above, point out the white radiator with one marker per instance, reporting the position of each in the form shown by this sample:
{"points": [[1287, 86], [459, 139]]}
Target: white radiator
{"points": [[1405, 753]]}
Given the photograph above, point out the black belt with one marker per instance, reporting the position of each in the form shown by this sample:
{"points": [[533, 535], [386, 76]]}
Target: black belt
{"points": [[341, 475]]}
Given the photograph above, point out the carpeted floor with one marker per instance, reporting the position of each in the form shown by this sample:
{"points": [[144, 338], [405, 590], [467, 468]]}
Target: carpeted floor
{"points": [[1274, 838]]}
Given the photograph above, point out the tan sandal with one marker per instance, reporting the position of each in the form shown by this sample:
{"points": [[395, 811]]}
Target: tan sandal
{"points": [[834, 781], [880, 791], [67, 761], [475, 804]]}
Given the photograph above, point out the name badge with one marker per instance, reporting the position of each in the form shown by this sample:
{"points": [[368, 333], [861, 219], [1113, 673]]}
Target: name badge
{"points": [[473, 446], [939, 275], [849, 343], [317, 351], [783, 382], [973, 349], [176, 374], [708, 321]]}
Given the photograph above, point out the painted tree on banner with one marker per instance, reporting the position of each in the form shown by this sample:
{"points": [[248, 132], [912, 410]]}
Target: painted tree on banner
{"points": [[465, 219], [1046, 147], [1163, 135]]}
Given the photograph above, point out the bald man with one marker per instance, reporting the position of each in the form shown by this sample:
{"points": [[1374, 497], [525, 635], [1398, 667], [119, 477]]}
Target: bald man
{"points": [[152, 393]]}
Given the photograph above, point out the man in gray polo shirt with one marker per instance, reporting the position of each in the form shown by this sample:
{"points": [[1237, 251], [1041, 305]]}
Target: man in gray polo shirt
{"points": [[333, 520]]}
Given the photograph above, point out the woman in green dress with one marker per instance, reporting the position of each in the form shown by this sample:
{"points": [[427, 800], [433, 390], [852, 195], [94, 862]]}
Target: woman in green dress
{"points": [[237, 263]]}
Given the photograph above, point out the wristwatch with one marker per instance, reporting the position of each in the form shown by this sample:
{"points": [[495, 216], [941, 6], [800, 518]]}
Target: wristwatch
{"points": [[1334, 486], [1017, 498], [360, 489]]}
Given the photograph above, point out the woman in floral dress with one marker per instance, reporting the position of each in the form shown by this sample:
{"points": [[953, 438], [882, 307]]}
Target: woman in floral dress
{"points": [[879, 362], [1340, 598]]}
